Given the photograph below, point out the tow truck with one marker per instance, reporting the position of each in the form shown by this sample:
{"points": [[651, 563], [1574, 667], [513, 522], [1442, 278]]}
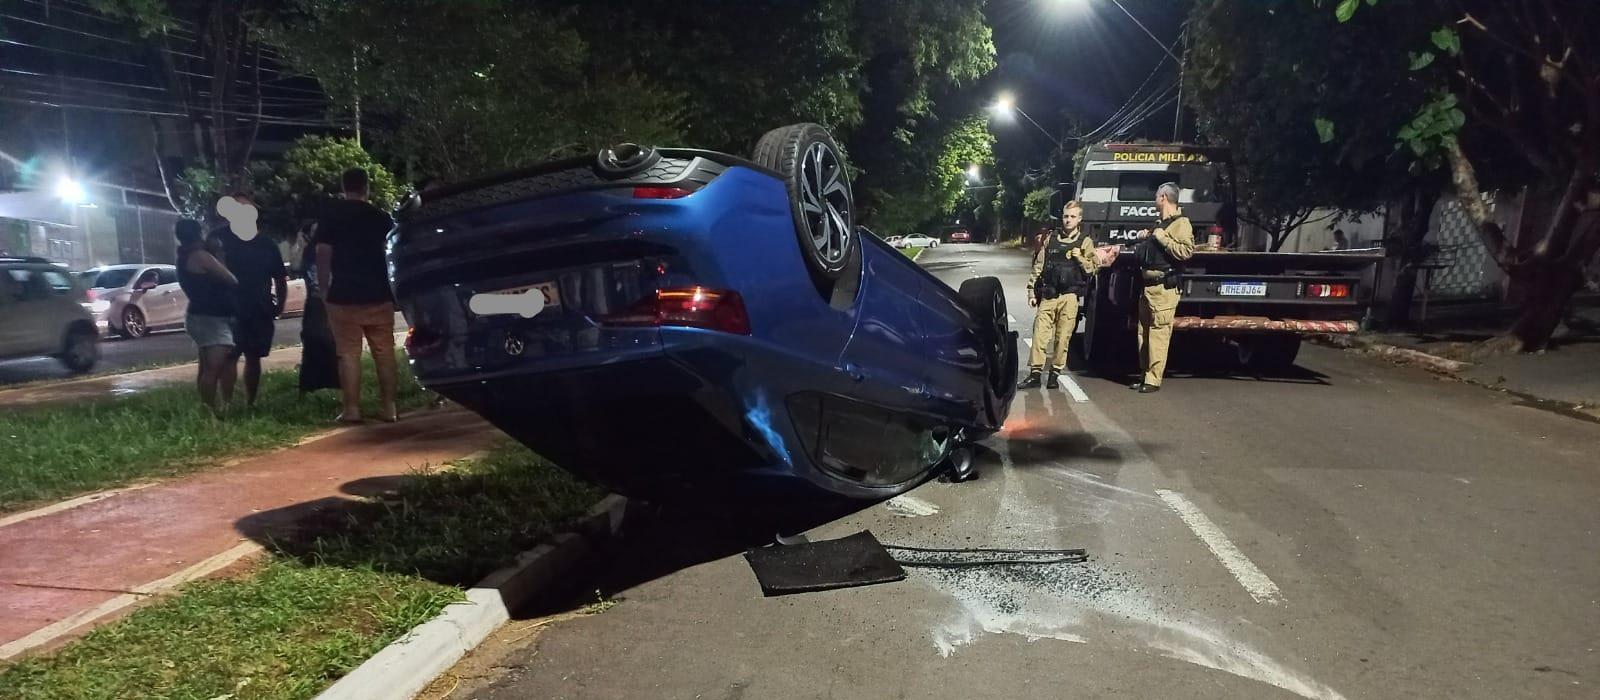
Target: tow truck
{"points": [[1259, 303]]}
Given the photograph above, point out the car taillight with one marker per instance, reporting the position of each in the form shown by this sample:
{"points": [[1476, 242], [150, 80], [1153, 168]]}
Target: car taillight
{"points": [[421, 342], [1328, 291], [660, 192], [694, 307]]}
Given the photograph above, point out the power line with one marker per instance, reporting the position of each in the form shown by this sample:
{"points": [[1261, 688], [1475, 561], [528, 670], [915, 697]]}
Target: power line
{"points": [[266, 120]]}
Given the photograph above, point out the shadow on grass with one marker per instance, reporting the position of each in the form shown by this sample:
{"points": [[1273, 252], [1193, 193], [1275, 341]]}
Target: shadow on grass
{"points": [[459, 525], [449, 526]]}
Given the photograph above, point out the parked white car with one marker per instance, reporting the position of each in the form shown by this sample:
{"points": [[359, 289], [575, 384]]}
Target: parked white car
{"points": [[133, 300], [893, 241], [43, 312], [917, 240]]}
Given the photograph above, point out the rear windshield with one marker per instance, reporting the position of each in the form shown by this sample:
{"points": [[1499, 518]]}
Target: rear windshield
{"points": [[111, 279], [1141, 187], [1202, 183]]}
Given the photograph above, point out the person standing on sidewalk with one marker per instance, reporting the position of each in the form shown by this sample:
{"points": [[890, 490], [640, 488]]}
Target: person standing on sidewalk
{"points": [[262, 290], [1061, 273], [1161, 252], [319, 359], [209, 320], [354, 281]]}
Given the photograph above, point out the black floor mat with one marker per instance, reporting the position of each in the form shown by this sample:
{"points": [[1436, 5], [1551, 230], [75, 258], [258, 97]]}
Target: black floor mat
{"points": [[857, 560]]}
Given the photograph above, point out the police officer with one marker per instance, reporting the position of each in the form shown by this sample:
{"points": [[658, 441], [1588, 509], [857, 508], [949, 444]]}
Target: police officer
{"points": [[1061, 273], [1161, 252]]}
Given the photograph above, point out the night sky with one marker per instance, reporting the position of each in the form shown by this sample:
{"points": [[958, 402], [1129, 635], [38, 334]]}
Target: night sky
{"points": [[1078, 60]]}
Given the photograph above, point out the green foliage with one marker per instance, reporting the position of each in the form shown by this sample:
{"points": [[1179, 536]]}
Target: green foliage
{"points": [[312, 169], [1435, 126], [458, 88], [1324, 130], [1036, 206], [1255, 87]]}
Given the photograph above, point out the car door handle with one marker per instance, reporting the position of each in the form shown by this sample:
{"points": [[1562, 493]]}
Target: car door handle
{"points": [[854, 371]]}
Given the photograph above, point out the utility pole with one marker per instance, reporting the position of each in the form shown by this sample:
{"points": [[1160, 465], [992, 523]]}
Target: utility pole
{"points": [[1177, 117]]}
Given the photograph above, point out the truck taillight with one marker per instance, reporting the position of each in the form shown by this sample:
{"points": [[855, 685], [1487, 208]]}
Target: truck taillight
{"points": [[693, 307], [1328, 291]]}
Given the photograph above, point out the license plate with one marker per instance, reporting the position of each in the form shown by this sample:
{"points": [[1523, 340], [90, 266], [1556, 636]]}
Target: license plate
{"points": [[1243, 289], [552, 294]]}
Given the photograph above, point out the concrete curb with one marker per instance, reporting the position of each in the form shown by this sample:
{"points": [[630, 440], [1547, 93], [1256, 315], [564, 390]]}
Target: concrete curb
{"points": [[409, 664], [1432, 363]]}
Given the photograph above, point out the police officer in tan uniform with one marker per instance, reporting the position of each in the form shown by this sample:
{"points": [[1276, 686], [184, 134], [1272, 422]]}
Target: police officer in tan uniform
{"points": [[1061, 273], [1161, 252]]}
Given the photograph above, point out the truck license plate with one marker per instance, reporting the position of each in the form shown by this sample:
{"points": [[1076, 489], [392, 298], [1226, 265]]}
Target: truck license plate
{"points": [[1244, 289]]}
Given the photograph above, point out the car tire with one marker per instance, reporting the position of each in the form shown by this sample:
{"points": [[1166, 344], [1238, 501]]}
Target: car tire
{"points": [[133, 323], [820, 201], [81, 349], [985, 299]]}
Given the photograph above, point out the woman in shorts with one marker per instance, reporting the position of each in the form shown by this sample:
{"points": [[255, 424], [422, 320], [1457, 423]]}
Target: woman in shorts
{"points": [[209, 286]]}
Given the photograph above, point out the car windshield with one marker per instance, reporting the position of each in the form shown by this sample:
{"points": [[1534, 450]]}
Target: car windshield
{"points": [[111, 279]]}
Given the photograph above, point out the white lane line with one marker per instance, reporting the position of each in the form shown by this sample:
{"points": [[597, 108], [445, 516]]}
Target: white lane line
{"points": [[1028, 341], [1012, 319], [1256, 583], [1072, 388]]}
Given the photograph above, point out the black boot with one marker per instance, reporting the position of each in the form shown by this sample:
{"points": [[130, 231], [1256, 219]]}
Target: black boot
{"points": [[1054, 382], [1032, 382]]}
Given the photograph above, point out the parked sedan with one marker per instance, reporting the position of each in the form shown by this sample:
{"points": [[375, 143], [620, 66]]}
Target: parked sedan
{"points": [[961, 236], [917, 240], [672, 320], [133, 300]]}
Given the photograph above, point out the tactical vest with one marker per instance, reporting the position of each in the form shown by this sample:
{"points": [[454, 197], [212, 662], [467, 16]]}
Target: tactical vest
{"points": [[1154, 257], [1061, 274]]}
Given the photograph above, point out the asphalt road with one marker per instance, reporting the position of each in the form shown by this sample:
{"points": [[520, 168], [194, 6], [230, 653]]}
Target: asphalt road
{"points": [[1347, 530], [118, 354]]}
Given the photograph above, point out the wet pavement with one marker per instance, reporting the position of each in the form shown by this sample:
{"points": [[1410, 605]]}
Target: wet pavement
{"points": [[66, 567], [119, 354], [1346, 529]]}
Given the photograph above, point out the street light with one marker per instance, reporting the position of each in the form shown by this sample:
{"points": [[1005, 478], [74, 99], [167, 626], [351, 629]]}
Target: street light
{"points": [[1006, 103], [71, 191], [1177, 120]]}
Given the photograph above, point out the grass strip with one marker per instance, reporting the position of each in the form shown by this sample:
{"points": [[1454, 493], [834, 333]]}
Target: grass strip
{"points": [[54, 452], [325, 603], [912, 253]]}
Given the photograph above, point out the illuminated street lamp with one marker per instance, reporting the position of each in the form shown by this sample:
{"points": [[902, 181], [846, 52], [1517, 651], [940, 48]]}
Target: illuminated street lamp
{"points": [[71, 191]]}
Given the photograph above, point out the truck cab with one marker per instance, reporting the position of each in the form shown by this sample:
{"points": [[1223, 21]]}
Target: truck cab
{"points": [[1260, 303]]}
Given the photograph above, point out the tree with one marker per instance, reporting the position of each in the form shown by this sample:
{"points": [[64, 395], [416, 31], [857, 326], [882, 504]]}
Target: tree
{"points": [[290, 190], [1311, 129], [1516, 103], [209, 60], [1036, 206], [452, 89]]}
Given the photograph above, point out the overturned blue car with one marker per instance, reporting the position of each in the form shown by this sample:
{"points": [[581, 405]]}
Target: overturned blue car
{"points": [[668, 320]]}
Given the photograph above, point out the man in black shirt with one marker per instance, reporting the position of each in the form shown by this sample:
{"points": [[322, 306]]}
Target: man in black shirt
{"points": [[354, 281], [263, 287]]}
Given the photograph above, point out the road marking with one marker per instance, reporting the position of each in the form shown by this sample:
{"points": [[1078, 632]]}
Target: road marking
{"points": [[1072, 388], [1244, 571], [1028, 342], [1011, 318], [55, 630]]}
